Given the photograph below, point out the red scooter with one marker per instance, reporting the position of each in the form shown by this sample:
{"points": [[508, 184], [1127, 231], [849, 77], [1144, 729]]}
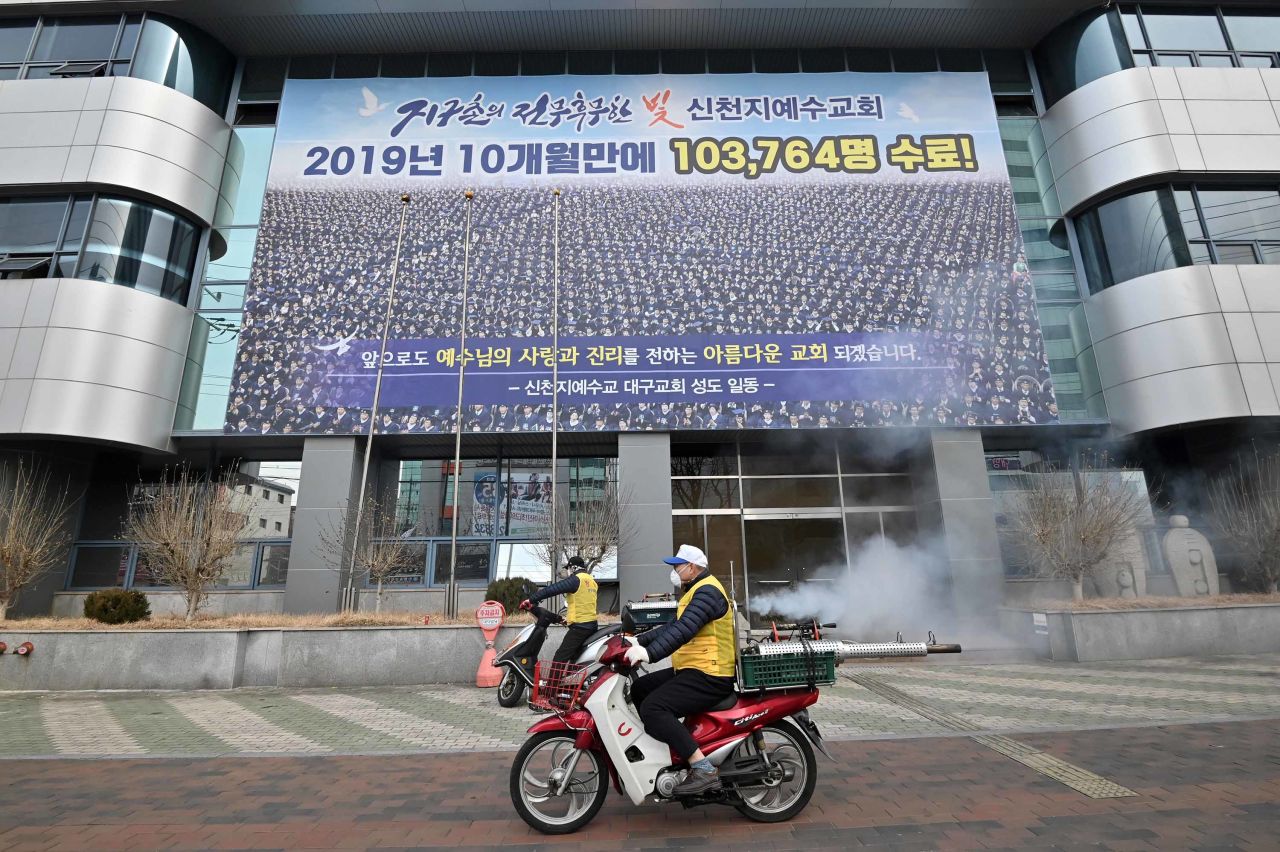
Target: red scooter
{"points": [[762, 744]]}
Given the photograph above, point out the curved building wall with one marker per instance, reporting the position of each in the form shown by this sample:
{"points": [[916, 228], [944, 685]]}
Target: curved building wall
{"points": [[88, 360], [1188, 345], [1143, 122], [114, 132]]}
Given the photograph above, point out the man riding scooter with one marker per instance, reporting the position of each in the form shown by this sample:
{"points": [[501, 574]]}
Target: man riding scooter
{"points": [[703, 655], [580, 590]]}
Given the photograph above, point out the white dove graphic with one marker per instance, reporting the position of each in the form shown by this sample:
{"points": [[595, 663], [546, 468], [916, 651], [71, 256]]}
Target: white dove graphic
{"points": [[905, 111], [371, 105], [339, 347]]}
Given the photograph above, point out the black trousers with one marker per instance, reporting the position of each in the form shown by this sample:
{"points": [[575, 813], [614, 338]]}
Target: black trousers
{"points": [[577, 636], [666, 696]]}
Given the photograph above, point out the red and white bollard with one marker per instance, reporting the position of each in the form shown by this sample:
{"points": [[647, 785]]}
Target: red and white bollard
{"points": [[24, 649], [3, 647], [489, 616]]}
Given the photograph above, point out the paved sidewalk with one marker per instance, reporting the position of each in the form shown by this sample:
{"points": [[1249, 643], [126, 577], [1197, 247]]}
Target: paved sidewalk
{"points": [[884, 704], [1202, 787]]}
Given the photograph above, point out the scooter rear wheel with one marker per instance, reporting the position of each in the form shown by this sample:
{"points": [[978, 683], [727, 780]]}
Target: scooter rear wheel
{"points": [[510, 689], [540, 764], [788, 748]]}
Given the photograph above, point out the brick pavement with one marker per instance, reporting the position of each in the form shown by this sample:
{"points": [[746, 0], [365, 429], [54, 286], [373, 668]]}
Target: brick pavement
{"points": [[1199, 787], [992, 699]]}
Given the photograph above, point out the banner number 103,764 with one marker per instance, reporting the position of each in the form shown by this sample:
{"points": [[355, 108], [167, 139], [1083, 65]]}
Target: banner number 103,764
{"points": [[762, 155]]}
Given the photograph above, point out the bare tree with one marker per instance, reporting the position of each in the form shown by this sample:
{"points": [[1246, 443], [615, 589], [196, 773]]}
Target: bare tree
{"points": [[1065, 525], [377, 549], [593, 528], [187, 531], [1245, 512], [33, 534]]}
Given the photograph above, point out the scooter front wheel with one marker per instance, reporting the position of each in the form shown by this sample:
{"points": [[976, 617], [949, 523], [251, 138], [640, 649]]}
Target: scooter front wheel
{"points": [[540, 771], [510, 689]]}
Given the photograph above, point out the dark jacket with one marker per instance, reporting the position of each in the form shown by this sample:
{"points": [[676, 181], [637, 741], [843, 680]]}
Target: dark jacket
{"points": [[567, 586], [706, 606]]}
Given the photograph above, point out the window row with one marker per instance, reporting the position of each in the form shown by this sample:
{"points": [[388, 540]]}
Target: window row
{"points": [[106, 564], [148, 47], [263, 79], [101, 238], [1107, 40], [1169, 226]]}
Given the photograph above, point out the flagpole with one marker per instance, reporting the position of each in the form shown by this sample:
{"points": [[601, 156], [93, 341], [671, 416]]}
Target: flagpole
{"points": [[555, 374], [350, 602], [451, 593]]}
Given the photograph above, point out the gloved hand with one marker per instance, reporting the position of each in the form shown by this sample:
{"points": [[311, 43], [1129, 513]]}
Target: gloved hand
{"points": [[526, 604], [636, 655]]}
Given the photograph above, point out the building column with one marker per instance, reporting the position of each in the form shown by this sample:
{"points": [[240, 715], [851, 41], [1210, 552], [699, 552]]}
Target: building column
{"points": [[954, 499], [644, 494], [327, 486]]}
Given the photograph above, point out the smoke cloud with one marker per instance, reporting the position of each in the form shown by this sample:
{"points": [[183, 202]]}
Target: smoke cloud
{"points": [[888, 588]]}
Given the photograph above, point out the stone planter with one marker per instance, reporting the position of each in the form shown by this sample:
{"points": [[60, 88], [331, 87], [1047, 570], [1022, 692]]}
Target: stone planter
{"points": [[1143, 634], [225, 659]]}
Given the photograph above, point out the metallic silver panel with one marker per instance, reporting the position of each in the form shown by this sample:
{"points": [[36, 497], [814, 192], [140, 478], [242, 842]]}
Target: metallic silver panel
{"points": [[113, 132], [1145, 122], [1188, 345], [92, 361]]}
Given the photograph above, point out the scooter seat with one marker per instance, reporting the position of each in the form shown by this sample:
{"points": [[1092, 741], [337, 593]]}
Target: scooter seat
{"points": [[726, 704], [607, 630]]}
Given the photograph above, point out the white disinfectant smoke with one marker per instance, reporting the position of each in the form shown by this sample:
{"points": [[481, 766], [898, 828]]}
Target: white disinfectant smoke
{"points": [[887, 588]]}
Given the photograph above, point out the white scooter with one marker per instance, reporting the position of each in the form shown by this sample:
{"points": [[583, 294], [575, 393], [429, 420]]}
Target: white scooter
{"points": [[520, 657]]}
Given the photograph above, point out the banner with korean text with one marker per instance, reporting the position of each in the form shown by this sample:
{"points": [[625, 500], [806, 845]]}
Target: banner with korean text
{"points": [[735, 251]]}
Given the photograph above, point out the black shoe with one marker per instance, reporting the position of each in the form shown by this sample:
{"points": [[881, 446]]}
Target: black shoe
{"points": [[697, 781]]}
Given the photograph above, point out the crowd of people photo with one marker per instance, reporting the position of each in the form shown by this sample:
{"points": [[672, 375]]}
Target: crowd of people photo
{"points": [[937, 259]]}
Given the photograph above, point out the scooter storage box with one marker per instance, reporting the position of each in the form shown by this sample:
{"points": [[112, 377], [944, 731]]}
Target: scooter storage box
{"points": [[764, 670], [639, 616]]}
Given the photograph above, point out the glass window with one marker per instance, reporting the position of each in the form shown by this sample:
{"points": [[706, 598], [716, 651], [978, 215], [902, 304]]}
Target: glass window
{"points": [[636, 62], [15, 39], [878, 491], [355, 67], [591, 62], [1236, 253], [206, 387], [1253, 32], [1215, 60], [521, 559], [449, 65], [473, 563], [404, 65], [684, 62], [238, 571], [1241, 214], [869, 59], [821, 60], [1008, 71], [140, 246], [790, 493], [230, 256], [129, 37], [777, 61], [273, 565], [1080, 51], [31, 225], [729, 61], [1175, 60], [1132, 236], [1271, 253], [9, 73], [1247, 61], [1190, 30], [704, 494], [539, 63], [914, 60], [497, 64], [98, 566], [806, 456], [65, 39], [186, 60], [954, 59], [311, 68], [1187, 214], [1133, 30], [263, 79], [245, 177]]}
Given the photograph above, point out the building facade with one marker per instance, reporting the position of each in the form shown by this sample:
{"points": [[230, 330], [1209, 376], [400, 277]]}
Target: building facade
{"points": [[1142, 149]]}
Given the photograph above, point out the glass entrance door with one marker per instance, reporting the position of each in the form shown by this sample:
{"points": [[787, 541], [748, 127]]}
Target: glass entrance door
{"points": [[786, 552]]}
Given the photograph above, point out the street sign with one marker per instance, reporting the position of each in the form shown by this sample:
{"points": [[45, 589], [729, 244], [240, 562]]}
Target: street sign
{"points": [[490, 616]]}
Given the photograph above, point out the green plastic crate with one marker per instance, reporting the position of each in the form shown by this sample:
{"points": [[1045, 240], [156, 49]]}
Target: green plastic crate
{"points": [[782, 670]]}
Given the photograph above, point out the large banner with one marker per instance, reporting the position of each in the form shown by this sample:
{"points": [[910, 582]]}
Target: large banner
{"points": [[744, 251]]}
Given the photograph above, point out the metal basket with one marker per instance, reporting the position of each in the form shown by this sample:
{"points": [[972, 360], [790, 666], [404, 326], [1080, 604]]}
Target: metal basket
{"points": [[558, 686]]}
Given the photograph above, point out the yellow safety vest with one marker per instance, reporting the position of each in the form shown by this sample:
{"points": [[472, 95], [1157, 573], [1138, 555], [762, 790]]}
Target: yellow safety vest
{"points": [[582, 603], [711, 650]]}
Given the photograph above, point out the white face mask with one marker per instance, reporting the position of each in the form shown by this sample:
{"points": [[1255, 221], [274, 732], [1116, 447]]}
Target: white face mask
{"points": [[675, 578]]}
